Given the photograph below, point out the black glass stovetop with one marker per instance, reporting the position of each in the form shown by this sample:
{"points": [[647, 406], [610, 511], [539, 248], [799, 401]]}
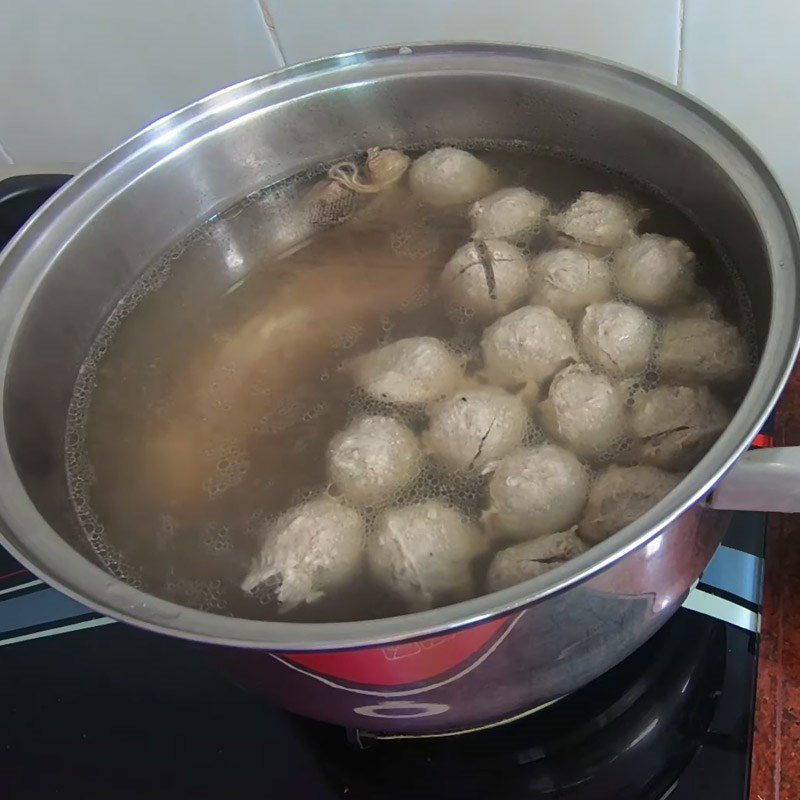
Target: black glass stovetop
{"points": [[111, 711], [96, 709]]}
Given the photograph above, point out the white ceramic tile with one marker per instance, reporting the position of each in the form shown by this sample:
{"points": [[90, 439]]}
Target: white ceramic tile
{"points": [[742, 58], [641, 33], [79, 76]]}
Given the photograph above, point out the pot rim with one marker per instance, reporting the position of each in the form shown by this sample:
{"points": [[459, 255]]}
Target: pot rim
{"points": [[47, 555]]}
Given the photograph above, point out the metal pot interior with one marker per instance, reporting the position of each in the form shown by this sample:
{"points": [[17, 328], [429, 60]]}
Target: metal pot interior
{"points": [[64, 274]]}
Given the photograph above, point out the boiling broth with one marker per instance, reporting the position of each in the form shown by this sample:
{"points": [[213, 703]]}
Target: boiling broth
{"points": [[191, 426]]}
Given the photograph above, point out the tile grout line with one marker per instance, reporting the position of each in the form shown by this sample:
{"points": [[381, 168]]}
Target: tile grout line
{"points": [[4, 154], [273, 31], [681, 42]]}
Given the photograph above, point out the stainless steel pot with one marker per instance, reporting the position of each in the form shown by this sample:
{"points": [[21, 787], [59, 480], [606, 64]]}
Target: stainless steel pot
{"points": [[489, 657]]}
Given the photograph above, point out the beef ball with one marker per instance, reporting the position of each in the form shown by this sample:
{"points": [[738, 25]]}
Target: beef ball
{"points": [[655, 271], [704, 307], [373, 459], [528, 345], [414, 370], [674, 426], [423, 554], [702, 350], [511, 214], [486, 278], [584, 411], [527, 560], [473, 428], [536, 491], [617, 337], [619, 496], [308, 552], [567, 280], [602, 221], [448, 177]]}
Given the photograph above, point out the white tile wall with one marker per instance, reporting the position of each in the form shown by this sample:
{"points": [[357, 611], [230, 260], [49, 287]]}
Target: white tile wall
{"points": [[742, 57], [641, 33], [79, 76]]}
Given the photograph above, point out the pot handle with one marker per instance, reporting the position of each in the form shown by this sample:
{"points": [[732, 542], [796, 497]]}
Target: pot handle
{"points": [[763, 479]]}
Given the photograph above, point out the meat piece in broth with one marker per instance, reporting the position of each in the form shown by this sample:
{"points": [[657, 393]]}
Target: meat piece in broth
{"points": [[282, 347]]}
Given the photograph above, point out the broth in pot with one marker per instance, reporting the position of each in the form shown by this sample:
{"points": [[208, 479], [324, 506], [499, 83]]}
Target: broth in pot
{"points": [[463, 370]]}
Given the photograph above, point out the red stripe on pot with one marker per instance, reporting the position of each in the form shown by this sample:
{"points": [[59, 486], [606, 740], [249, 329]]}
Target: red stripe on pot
{"points": [[404, 663]]}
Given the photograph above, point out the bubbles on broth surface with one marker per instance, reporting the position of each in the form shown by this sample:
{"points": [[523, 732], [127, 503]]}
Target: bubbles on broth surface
{"points": [[188, 433]]}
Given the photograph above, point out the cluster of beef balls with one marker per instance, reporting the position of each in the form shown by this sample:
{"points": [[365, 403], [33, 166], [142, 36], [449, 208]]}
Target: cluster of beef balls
{"points": [[568, 335]]}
